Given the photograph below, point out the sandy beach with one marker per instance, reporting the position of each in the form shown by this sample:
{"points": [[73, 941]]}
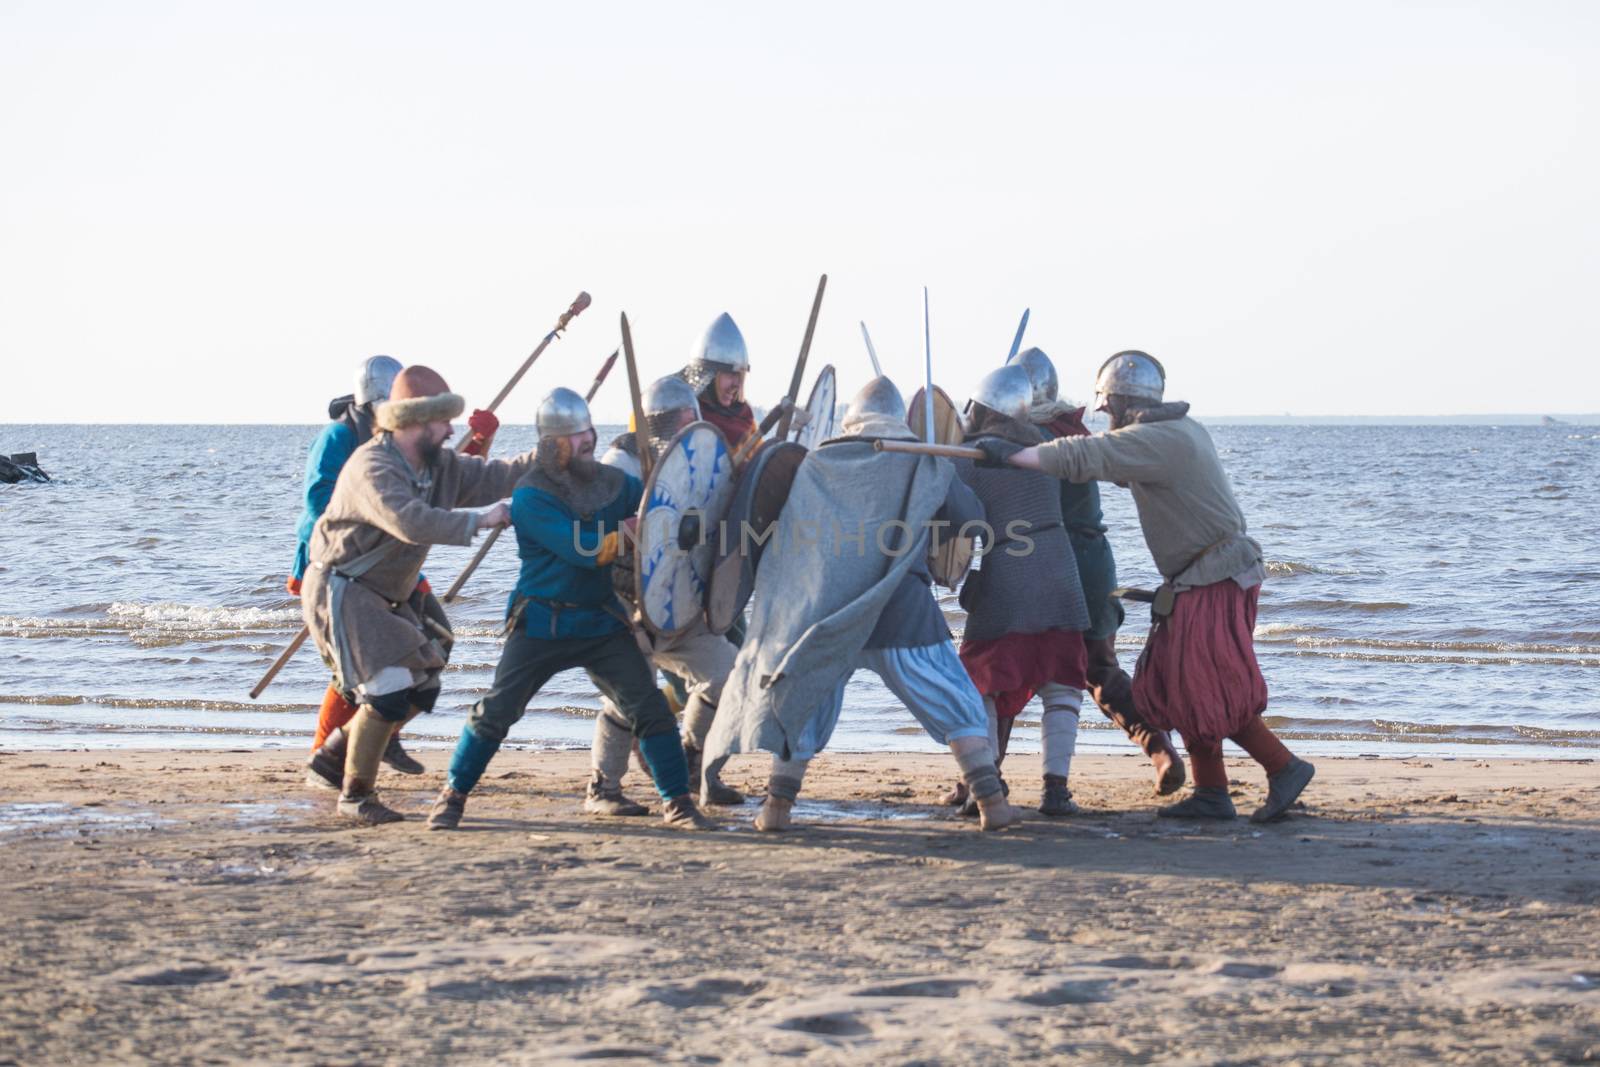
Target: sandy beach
{"points": [[207, 908]]}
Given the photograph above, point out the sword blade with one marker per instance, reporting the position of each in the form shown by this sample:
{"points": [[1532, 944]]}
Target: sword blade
{"points": [[872, 353], [927, 391], [1016, 342]]}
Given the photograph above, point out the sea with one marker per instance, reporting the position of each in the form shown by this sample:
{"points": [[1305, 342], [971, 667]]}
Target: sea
{"points": [[1434, 591]]}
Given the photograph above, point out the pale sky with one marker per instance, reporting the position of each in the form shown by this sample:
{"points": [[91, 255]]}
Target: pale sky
{"points": [[212, 211]]}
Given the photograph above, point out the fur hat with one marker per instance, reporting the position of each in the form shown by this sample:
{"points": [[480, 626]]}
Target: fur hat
{"points": [[418, 395]]}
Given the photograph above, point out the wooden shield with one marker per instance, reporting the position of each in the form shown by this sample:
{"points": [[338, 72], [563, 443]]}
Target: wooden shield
{"points": [[824, 397], [689, 489], [951, 557], [763, 490]]}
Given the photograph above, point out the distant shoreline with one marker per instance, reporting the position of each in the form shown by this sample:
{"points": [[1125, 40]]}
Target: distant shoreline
{"points": [[1585, 419]]}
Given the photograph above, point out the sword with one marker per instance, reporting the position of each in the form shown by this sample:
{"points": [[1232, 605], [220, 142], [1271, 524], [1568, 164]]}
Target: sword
{"points": [[872, 353], [1016, 342], [927, 392]]}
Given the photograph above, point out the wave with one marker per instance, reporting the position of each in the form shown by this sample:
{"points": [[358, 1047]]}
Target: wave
{"points": [[1290, 568], [1328, 729], [1372, 606], [63, 700], [1291, 634], [1457, 659]]}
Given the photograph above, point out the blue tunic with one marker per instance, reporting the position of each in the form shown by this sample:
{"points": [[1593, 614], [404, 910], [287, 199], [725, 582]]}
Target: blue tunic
{"points": [[569, 594], [329, 453]]}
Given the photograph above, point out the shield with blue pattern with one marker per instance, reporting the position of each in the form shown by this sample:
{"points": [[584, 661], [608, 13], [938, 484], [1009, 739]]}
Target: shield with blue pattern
{"points": [[689, 489]]}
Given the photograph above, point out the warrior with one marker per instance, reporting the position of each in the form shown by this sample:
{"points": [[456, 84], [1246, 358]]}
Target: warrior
{"points": [[1198, 672], [569, 513], [1025, 609], [396, 497], [843, 585], [351, 426], [699, 657], [1109, 684], [716, 373]]}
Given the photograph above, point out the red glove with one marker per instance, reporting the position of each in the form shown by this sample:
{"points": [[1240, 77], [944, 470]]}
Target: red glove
{"points": [[424, 587], [293, 585], [483, 425]]}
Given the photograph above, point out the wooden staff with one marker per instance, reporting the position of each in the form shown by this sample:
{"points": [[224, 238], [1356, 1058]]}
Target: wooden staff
{"points": [[641, 428], [576, 308], [561, 324], [917, 448], [800, 364], [494, 535]]}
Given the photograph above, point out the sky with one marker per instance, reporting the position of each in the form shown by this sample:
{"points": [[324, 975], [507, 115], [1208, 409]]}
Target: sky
{"points": [[211, 212]]}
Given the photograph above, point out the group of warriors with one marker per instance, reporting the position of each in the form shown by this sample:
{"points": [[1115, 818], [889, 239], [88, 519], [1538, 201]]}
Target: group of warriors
{"points": [[839, 577]]}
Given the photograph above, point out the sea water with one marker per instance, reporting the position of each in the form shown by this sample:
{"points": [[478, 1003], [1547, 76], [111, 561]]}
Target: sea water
{"points": [[1433, 590]]}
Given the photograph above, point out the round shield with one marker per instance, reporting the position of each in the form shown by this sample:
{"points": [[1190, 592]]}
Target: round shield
{"points": [[675, 545], [824, 396], [949, 558], [743, 533]]}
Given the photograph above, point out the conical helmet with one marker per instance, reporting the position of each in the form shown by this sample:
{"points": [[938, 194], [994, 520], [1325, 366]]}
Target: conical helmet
{"points": [[1006, 391], [721, 349], [877, 397], [375, 377], [562, 413], [1131, 373], [1041, 373], [665, 403]]}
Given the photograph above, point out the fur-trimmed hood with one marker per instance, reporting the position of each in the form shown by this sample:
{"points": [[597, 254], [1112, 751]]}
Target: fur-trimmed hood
{"points": [[398, 414]]}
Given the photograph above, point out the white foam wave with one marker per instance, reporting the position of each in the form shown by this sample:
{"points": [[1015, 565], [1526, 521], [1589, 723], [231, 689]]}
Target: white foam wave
{"points": [[167, 615]]}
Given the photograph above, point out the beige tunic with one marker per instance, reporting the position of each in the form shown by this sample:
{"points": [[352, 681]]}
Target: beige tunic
{"points": [[1192, 523], [380, 500]]}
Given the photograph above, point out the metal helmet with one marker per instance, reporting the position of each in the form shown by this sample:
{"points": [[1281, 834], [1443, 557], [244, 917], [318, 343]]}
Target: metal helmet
{"points": [[375, 378], [563, 413], [877, 397], [1007, 391], [664, 403], [720, 349], [1131, 373], [1041, 373]]}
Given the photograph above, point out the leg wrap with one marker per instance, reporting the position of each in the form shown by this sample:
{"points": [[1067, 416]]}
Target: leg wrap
{"points": [[977, 770], [336, 711], [613, 744], [697, 716], [786, 777], [1058, 728], [1205, 757], [471, 759], [369, 736], [663, 754]]}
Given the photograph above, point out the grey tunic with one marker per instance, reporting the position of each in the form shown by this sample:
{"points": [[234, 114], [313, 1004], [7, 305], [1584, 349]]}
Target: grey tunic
{"points": [[1021, 590], [380, 500], [912, 618]]}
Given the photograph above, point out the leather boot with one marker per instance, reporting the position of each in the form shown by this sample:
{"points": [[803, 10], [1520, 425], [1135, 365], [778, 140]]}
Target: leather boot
{"points": [[1206, 802], [447, 810], [358, 800], [397, 758], [1057, 799], [713, 790], [598, 800], [1112, 691], [325, 768], [1283, 789], [956, 796], [681, 814]]}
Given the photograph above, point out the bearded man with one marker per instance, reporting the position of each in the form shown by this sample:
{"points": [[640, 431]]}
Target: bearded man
{"points": [[1109, 684], [569, 512], [1198, 672], [700, 658], [351, 425], [845, 585], [397, 496]]}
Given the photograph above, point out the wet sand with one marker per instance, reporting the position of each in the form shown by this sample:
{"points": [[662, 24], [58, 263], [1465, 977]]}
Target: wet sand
{"points": [[206, 907]]}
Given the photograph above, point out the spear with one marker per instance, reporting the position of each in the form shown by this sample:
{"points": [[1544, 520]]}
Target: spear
{"points": [[927, 393], [494, 535], [573, 310], [641, 428]]}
